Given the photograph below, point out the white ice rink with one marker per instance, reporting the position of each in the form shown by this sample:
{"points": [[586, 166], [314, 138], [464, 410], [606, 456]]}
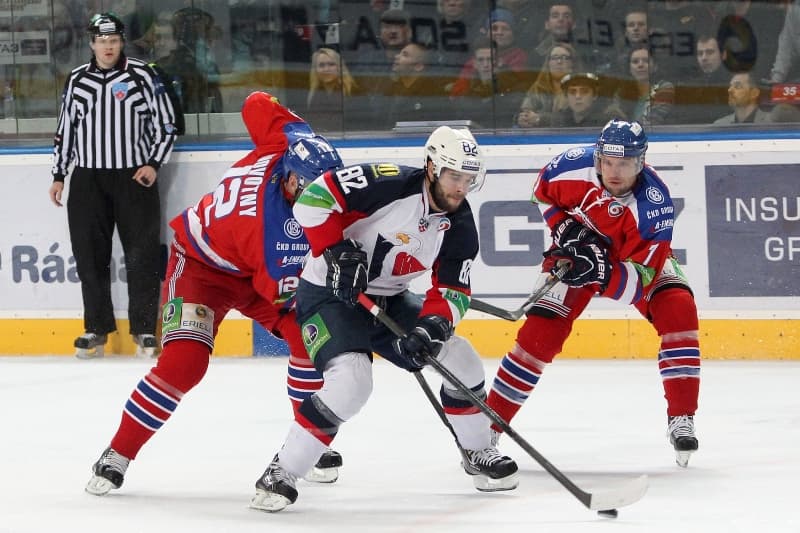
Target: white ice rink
{"points": [[600, 422]]}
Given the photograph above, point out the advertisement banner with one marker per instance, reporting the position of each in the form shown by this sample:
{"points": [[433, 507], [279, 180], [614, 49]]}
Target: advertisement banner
{"points": [[754, 220]]}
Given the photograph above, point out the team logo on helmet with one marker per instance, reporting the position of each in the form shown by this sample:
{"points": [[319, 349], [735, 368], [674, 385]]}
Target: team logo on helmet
{"points": [[292, 229], [575, 153], [654, 195]]}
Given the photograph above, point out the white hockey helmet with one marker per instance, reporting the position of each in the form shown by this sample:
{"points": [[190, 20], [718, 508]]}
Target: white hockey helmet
{"points": [[457, 150]]}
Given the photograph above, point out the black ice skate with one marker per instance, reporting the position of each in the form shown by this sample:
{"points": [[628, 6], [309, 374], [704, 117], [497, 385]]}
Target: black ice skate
{"points": [[145, 345], [109, 473], [491, 471], [682, 438], [327, 468], [90, 346], [275, 489]]}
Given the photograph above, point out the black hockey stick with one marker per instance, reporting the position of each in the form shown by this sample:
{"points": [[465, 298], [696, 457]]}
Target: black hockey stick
{"points": [[516, 314], [423, 383], [607, 501]]}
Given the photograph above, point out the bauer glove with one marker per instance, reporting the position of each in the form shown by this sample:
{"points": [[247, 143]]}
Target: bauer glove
{"points": [[347, 270], [588, 264], [425, 340]]}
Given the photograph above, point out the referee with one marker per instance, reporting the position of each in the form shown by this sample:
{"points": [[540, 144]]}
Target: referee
{"points": [[116, 125]]}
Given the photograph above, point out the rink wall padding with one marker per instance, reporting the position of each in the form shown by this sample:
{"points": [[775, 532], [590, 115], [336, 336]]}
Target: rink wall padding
{"points": [[736, 235]]}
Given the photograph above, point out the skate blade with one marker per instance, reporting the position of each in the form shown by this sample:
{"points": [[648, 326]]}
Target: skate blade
{"points": [[99, 486], [90, 353], [268, 502], [486, 484], [682, 457], [322, 475]]}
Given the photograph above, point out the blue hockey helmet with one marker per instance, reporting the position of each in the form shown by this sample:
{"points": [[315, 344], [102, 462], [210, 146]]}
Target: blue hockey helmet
{"points": [[310, 157], [621, 138]]}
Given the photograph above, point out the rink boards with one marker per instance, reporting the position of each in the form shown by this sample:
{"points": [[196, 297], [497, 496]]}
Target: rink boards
{"points": [[737, 235]]}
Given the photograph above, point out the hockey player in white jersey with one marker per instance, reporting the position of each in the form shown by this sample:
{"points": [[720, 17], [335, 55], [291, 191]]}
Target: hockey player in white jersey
{"points": [[373, 228]]}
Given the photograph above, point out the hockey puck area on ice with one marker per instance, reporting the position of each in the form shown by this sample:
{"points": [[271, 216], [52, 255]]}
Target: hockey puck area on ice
{"points": [[610, 513]]}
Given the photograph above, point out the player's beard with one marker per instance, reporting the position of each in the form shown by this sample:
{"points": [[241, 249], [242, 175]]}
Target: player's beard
{"points": [[442, 201]]}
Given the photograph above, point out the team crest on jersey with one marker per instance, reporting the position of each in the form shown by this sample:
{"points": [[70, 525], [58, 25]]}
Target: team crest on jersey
{"points": [[292, 229], [119, 90], [575, 153], [615, 209], [423, 224], [444, 224], [654, 195]]}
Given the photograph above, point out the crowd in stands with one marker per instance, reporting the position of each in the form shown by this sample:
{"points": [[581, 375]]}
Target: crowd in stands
{"points": [[500, 64]]}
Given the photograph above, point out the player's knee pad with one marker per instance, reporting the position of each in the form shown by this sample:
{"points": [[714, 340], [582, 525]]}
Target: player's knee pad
{"points": [[184, 320], [460, 358], [183, 363], [543, 337], [348, 384], [673, 310]]}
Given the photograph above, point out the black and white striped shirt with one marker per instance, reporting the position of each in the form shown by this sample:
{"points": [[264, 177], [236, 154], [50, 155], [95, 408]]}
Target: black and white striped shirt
{"points": [[113, 119]]}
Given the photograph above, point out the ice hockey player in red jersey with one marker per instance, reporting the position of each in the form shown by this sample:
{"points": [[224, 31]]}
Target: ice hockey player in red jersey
{"points": [[611, 217], [373, 228], [238, 248]]}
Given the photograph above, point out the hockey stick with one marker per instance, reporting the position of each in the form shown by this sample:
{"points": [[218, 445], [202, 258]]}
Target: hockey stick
{"points": [[516, 314], [606, 501], [423, 383]]}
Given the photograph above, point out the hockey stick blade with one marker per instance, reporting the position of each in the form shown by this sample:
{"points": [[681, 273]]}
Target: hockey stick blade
{"points": [[627, 494], [516, 314]]}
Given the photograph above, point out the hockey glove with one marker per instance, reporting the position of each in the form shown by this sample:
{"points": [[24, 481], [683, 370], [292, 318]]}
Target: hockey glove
{"points": [[425, 340], [347, 270], [588, 264], [572, 233]]}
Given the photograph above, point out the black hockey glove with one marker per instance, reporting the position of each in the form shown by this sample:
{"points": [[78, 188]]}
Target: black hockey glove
{"points": [[570, 232], [588, 264], [425, 340], [347, 270]]}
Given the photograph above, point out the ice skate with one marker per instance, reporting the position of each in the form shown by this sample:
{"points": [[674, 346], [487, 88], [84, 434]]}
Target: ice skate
{"points": [[145, 345], [327, 468], [682, 438], [490, 470], [90, 346], [275, 489], [109, 473]]}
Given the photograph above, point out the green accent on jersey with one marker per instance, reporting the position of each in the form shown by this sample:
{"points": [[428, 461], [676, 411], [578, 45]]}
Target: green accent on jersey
{"points": [[315, 335], [459, 299], [171, 315], [678, 270], [316, 196], [648, 274]]}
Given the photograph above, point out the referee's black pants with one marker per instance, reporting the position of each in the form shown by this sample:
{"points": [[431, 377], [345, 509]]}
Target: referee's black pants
{"points": [[99, 199]]}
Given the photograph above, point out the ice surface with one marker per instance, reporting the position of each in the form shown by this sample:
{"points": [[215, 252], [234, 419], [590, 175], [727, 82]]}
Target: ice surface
{"points": [[600, 422]]}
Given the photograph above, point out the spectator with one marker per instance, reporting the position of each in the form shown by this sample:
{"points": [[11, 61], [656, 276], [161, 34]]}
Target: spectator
{"points": [[117, 149], [414, 94], [705, 96], [330, 86], [636, 33], [492, 97], [546, 96], [787, 58], [641, 98], [743, 97], [558, 27], [584, 108], [395, 33], [527, 18], [458, 26], [674, 28], [159, 39]]}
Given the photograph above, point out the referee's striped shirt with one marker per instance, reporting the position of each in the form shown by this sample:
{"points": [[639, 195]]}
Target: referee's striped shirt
{"points": [[113, 119]]}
